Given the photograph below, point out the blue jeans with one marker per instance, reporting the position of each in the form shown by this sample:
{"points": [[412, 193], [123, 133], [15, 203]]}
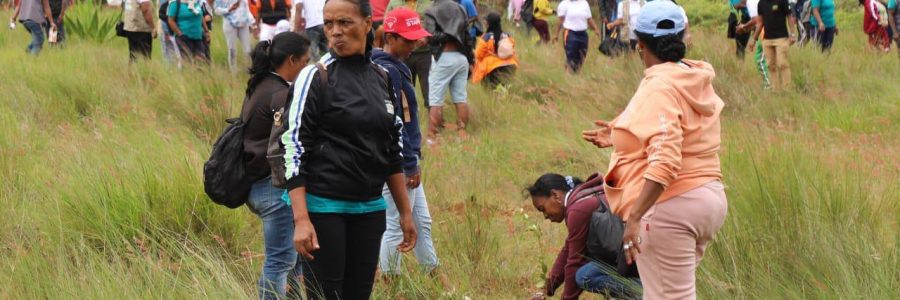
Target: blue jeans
{"points": [[389, 260], [596, 278], [37, 36], [449, 72], [169, 48], [318, 42], [278, 234]]}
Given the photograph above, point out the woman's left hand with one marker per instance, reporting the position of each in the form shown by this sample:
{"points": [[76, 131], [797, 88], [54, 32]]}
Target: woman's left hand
{"points": [[409, 233], [600, 137], [631, 241]]}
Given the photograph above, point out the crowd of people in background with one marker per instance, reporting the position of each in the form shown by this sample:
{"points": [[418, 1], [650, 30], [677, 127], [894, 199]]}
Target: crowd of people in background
{"points": [[185, 36], [339, 78]]}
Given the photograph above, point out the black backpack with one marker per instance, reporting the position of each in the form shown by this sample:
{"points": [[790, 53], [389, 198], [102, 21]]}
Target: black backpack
{"points": [[225, 179], [612, 46], [604, 241], [164, 13]]}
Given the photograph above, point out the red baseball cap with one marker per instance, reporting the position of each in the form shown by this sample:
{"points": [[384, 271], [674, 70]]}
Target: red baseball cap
{"points": [[405, 23]]}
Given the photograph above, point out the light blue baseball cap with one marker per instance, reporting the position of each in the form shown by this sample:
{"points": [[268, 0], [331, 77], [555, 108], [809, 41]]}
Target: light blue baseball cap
{"points": [[659, 18]]}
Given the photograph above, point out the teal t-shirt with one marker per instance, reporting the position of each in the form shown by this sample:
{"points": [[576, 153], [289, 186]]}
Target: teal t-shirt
{"points": [[189, 21], [322, 205], [826, 11], [892, 4], [736, 2]]}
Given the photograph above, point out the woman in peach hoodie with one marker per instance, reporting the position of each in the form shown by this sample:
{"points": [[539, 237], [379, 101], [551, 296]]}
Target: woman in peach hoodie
{"points": [[664, 177]]}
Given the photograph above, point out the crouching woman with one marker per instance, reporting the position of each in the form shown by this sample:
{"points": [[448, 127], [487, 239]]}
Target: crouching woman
{"points": [[565, 198]]}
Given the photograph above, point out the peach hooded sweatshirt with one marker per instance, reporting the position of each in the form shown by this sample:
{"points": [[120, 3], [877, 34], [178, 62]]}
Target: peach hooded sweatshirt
{"points": [[669, 133]]}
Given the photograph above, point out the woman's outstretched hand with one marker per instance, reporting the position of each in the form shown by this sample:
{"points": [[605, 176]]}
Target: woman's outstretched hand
{"points": [[600, 137]]}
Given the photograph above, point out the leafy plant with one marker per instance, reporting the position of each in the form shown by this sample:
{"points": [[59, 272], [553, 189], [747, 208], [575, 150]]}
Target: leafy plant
{"points": [[88, 20]]}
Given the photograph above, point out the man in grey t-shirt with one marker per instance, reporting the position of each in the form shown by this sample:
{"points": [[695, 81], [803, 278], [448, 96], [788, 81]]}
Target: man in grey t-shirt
{"points": [[34, 15]]}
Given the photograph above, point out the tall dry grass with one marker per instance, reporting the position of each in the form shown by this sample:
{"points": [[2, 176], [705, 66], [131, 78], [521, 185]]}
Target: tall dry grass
{"points": [[102, 194]]}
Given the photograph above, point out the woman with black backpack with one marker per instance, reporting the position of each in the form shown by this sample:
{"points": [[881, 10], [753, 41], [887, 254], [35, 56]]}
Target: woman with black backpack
{"points": [[275, 64], [566, 198]]}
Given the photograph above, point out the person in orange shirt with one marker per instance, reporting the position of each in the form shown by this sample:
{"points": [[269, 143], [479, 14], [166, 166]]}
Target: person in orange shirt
{"points": [[494, 61], [664, 175], [268, 13]]}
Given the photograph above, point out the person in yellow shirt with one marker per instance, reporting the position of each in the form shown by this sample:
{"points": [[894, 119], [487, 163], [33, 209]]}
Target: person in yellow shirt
{"points": [[542, 10]]}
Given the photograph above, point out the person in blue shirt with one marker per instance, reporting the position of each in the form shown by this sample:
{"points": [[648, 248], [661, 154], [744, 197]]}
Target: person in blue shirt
{"points": [[824, 23], [402, 33], [472, 13], [191, 34]]}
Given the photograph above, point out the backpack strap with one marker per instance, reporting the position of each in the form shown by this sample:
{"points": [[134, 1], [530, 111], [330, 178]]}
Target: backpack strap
{"points": [[387, 80], [593, 186], [177, 9], [404, 99], [323, 74], [404, 103], [323, 79]]}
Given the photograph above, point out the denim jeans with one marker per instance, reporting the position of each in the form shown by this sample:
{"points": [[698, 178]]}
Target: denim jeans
{"points": [[37, 36], [389, 261], [278, 234], [596, 278], [318, 42], [169, 47], [449, 72]]}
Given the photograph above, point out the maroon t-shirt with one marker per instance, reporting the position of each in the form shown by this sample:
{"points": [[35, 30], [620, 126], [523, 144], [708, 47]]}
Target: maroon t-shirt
{"points": [[572, 256]]}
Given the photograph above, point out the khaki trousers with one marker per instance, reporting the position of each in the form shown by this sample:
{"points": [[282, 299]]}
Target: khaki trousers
{"points": [[776, 51]]}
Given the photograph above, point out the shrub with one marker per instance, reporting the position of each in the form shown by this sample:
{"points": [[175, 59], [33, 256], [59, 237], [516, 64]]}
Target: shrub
{"points": [[88, 20]]}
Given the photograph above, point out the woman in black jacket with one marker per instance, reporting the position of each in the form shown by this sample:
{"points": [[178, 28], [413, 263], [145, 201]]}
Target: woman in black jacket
{"points": [[342, 145], [275, 64]]}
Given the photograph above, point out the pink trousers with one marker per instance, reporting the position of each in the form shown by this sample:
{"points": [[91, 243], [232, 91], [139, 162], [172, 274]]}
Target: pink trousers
{"points": [[673, 238]]}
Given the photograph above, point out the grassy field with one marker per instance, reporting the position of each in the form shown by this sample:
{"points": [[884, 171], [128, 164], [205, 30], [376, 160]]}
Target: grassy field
{"points": [[102, 196]]}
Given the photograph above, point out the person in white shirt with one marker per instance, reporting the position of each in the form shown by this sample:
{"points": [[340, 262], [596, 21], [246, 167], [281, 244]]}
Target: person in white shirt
{"points": [[310, 21], [627, 12], [575, 17], [236, 27]]}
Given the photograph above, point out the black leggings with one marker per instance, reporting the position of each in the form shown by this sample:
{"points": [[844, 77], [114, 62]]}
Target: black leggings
{"points": [[419, 64], [344, 265], [140, 44]]}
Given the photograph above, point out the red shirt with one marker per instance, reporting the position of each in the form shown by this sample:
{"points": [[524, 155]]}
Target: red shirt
{"points": [[572, 256], [378, 8]]}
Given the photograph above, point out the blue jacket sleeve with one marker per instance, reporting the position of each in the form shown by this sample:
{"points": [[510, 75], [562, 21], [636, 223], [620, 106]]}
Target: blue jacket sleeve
{"points": [[410, 135]]}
